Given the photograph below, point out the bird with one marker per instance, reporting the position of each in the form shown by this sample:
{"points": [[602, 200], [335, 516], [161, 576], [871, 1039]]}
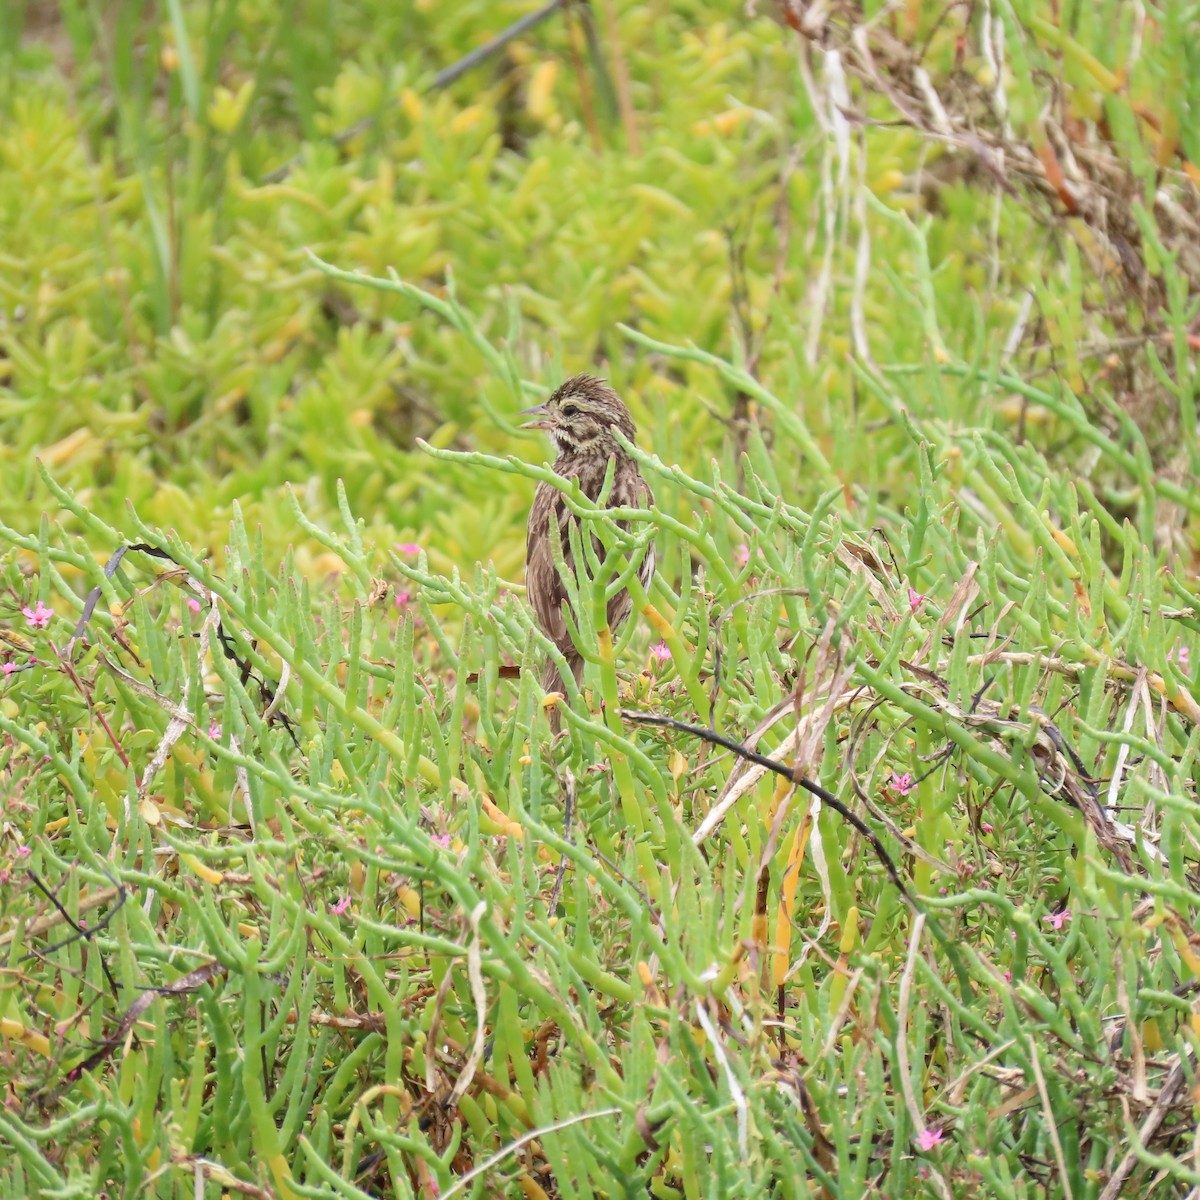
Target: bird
{"points": [[580, 417]]}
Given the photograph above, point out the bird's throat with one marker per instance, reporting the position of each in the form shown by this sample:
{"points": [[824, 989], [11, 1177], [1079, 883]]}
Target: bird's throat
{"points": [[588, 464]]}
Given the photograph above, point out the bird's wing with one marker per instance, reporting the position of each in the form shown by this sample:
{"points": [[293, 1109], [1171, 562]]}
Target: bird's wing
{"points": [[543, 587]]}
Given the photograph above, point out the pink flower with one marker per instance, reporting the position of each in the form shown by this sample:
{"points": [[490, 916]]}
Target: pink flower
{"points": [[24, 851], [340, 907], [9, 668], [928, 1138], [661, 651], [402, 599], [214, 730], [408, 549], [986, 827], [915, 598], [39, 617], [741, 555], [442, 839], [5, 876], [1008, 977], [902, 784], [1059, 919], [193, 604], [1179, 655]]}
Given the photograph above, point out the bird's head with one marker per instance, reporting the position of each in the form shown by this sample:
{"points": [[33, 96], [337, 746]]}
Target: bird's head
{"points": [[581, 415]]}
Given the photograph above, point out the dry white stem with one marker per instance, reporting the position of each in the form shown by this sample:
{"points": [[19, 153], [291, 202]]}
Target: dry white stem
{"points": [[1154, 730], [833, 103], [956, 1089], [285, 675], [1173, 1084], [181, 717], [961, 600], [241, 783], [816, 849], [479, 997], [879, 590], [993, 52], [532, 1136], [735, 1089], [803, 50], [937, 111], [1118, 775], [838, 96], [1016, 334]]}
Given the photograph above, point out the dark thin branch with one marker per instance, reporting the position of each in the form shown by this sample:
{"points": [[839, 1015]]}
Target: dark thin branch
{"points": [[717, 739], [442, 79], [789, 773], [110, 569], [228, 645], [81, 932], [187, 983]]}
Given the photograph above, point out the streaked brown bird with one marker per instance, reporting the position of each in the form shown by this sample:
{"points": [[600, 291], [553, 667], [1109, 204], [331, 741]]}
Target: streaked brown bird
{"points": [[580, 418]]}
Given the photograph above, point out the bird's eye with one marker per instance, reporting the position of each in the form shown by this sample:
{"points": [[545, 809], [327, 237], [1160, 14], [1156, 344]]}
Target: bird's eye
{"points": [[569, 410]]}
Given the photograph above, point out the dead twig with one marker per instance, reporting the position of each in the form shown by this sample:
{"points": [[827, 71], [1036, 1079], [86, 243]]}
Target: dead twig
{"points": [[442, 79]]}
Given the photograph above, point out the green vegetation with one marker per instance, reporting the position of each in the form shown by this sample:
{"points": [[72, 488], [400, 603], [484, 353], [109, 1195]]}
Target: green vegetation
{"points": [[299, 896]]}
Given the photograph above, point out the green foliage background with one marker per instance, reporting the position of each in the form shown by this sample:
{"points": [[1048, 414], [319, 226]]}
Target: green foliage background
{"points": [[924, 447]]}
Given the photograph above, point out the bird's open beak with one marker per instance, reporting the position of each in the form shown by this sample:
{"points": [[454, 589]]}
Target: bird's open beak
{"points": [[542, 417]]}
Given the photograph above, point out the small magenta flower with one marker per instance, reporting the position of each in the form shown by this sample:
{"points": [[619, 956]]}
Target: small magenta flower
{"points": [[24, 851], [1008, 977], [928, 1138], [915, 598], [340, 907], [5, 876], [901, 784], [214, 730], [741, 555], [442, 839], [39, 617], [1179, 655], [986, 827], [408, 549], [193, 604], [402, 599], [661, 651], [9, 669], [1059, 919]]}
